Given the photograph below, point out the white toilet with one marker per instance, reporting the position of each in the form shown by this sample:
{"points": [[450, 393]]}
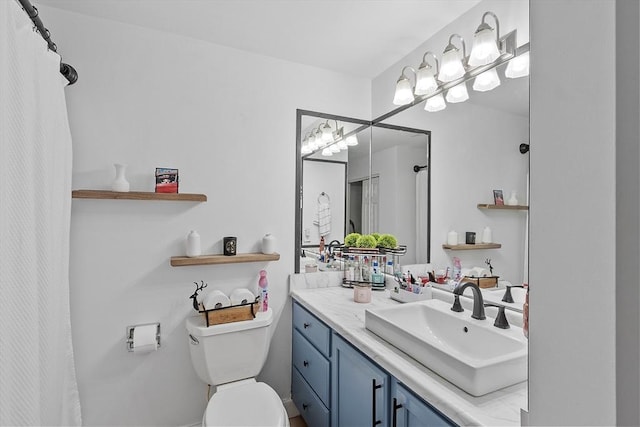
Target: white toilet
{"points": [[229, 356]]}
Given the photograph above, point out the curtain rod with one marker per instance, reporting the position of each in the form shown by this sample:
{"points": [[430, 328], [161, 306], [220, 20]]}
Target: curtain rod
{"points": [[66, 70]]}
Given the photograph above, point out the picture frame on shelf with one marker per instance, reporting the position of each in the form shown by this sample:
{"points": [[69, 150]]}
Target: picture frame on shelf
{"points": [[166, 180], [498, 197]]}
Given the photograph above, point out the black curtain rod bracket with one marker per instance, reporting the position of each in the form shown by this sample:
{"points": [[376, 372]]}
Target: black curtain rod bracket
{"points": [[66, 70]]}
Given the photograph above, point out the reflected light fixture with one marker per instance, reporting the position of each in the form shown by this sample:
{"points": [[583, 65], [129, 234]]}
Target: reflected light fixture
{"points": [[458, 93], [327, 132], [518, 66], [435, 103], [352, 140], [306, 149], [485, 43], [486, 81], [312, 141], [342, 144], [426, 76], [334, 148], [404, 90], [327, 152], [452, 68]]}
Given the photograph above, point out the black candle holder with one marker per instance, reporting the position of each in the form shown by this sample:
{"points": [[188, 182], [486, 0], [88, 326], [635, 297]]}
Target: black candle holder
{"points": [[229, 245]]}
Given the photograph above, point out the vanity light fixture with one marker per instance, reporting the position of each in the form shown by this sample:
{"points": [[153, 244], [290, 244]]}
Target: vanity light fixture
{"points": [[452, 67], [435, 103], [518, 66], [426, 76], [342, 144], [486, 81], [404, 90], [458, 93], [485, 48]]}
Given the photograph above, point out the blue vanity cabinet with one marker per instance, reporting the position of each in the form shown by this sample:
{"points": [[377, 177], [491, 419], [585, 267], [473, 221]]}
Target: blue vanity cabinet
{"points": [[311, 367], [408, 410], [360, 389]]}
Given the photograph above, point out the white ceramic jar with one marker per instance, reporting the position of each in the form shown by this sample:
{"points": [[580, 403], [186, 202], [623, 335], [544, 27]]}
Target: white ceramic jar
{"points": [[268, 244], [193, 244]]}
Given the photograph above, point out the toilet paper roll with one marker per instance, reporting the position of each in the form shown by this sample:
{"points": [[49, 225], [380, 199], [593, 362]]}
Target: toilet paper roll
{"points": [[144, 338], [216, 299], [481, 272], [242, 296]]}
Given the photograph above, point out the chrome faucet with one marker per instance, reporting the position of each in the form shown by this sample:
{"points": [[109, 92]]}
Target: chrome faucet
{"points": [[478, 302]]}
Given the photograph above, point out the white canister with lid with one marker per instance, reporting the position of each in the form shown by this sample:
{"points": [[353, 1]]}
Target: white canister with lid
{"points": [[193, 244], [268, 244], [452, 238], [486, 235]]}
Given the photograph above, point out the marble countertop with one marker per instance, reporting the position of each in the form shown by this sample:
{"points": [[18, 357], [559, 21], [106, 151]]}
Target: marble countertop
{"points": [[322, 295]]}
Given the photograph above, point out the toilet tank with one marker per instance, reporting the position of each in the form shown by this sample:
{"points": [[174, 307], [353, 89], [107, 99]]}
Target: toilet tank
{"points": [[230, 351]]}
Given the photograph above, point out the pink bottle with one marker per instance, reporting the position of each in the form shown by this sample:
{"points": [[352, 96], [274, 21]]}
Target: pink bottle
{"points": [[264, 294]]}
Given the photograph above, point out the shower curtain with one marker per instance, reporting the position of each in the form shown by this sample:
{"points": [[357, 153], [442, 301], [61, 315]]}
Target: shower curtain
{"points": [[422, 218], [37, 373]]}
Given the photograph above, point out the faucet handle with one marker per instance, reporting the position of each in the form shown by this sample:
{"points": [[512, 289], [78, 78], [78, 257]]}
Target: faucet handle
{"points": [[501, 319], [456, 304], [507, 294]]}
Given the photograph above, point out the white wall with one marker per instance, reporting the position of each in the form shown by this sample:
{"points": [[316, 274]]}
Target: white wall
{"points": [[572, 376], [226, 119]]}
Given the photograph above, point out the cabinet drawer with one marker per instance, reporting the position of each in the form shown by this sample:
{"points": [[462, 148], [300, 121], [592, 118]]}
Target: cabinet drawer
{"points": [[313, 366], [315, 414], [312, 329]]}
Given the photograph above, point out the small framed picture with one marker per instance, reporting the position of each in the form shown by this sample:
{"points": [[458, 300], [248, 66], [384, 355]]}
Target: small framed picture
{"points": [[166, 180], [498, 198]]}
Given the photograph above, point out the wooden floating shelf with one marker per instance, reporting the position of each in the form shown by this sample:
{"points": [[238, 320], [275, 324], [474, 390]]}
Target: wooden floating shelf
{"points": [[181, 261], [137, 195], [504, 207], [472, 247]]}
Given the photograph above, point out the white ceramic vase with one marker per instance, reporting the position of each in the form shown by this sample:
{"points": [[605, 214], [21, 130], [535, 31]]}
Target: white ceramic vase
{"points": [[120, 183], [268, 244], [193, 244], [513, 199]]}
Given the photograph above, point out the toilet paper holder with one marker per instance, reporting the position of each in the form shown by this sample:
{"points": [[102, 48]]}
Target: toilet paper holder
{"points": [[129, 334]]}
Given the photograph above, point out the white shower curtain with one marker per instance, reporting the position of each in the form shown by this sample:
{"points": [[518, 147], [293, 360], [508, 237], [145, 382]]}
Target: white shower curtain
{"points": [[422, 218], [37, 372]]}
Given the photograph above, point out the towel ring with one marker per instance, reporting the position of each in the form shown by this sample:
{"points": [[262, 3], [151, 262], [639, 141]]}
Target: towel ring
{"points": [[323, 194]]}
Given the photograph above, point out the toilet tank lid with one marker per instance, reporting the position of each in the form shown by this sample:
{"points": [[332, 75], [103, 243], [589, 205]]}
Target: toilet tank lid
{"points": [[197, 326]]}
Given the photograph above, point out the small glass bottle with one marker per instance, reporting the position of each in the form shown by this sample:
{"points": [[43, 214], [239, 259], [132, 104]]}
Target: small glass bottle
{"points": [[264, 293]]}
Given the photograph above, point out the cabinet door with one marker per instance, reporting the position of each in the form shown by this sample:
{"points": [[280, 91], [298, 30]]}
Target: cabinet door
{"points": [[360, 390], [407, 410]]}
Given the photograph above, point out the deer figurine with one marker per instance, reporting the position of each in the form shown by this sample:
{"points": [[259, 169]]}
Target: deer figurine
{"points": [[194, 297]]}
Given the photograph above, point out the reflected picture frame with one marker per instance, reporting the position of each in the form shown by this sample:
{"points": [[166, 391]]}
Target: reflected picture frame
{"points": [[498, 197]]}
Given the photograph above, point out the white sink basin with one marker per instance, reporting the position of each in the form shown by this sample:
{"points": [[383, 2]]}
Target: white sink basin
{"points": [[472, 354]]}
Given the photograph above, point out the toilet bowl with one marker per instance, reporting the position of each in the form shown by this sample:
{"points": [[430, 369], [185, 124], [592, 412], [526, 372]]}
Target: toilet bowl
{"points": [[245, 403], [229, 356]]}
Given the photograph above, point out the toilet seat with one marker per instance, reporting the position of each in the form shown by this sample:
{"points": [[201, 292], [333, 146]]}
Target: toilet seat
{"points": [[247, 404]]}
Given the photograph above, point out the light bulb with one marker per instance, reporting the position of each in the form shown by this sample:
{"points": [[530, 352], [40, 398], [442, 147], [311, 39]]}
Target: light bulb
{"points": [[485, 49], [404, 92], [435, 103], [352, 140], [327, 133], [425, 81], [486, 81], [458, 93], [518, 66], [451, 68]]}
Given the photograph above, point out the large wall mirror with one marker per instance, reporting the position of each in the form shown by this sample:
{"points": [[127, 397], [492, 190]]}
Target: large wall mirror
{"points": [[461, 155]]}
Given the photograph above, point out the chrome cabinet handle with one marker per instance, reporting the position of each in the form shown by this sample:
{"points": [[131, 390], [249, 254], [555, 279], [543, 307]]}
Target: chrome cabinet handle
{"points": [[396, 406], [374, 387]]}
